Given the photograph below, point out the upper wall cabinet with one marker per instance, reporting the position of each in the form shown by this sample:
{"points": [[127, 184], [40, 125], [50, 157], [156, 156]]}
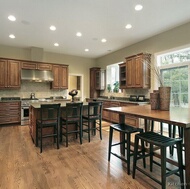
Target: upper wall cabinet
{"points": [[60, 75], [137, 72], [122, 76], [36, 66], [9, 74], [97, 81], [100, 79]]}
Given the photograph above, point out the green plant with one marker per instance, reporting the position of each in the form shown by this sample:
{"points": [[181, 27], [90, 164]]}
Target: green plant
{"points": [[116, 87], [109, 88]]}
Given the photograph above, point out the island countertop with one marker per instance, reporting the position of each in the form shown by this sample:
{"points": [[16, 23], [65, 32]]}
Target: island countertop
{"points": [[63, 103]]}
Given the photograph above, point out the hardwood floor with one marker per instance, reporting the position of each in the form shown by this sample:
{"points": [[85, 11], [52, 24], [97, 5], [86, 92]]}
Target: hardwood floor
{"points": [[76, 167]]}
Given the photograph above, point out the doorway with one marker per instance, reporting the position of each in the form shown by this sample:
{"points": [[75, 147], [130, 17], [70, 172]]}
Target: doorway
{"points": [[76, 82]]}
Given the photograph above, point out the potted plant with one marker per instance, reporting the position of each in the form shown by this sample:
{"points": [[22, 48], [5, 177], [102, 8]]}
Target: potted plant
{"points": [[116, 87], [109, 88]]}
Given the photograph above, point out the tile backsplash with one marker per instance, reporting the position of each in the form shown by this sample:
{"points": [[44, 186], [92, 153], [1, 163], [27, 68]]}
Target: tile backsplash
{"points": [[41, 90]]}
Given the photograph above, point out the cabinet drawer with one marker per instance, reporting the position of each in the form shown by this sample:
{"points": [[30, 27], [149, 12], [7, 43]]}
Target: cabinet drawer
{"points": [[132, 121], [29, 65], [44, 66], [6, 120]]}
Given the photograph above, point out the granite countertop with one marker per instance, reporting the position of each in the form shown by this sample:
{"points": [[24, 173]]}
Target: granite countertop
{"points": [[125, 100], [63, 103]]}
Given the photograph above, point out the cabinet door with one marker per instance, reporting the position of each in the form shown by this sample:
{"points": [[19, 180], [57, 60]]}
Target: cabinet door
{"points": [[138, 74], [130, 73], [93, 92], [114, 115], [60, 75], [138, 69], [55, 83], [3, 73], [122, 76], [29, 65], [63, 77], [100, 79], [14, 75], [43, 66], [106, 114]]}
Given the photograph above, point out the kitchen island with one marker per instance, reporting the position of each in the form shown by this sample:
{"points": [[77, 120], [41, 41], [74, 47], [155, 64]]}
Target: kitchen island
{"points": [[34, 114]]}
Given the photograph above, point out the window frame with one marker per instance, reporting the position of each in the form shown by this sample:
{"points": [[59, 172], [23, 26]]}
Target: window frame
{"points": [[175, 65]]}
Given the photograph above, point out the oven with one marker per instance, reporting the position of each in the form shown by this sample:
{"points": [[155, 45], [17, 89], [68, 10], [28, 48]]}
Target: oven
{"points": [[24, 115]]}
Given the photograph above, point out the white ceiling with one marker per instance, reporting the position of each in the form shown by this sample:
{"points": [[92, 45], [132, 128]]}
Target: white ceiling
{"points": [[95, 19]]}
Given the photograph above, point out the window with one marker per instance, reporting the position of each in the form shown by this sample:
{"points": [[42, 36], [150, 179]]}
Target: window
{"points": [[175, 68], [113, 77]]}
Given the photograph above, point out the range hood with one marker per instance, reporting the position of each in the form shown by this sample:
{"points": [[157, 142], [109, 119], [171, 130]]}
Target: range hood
{"points": [[37, 75]]}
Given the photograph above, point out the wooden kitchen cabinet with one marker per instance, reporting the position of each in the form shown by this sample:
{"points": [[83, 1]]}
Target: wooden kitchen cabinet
{"points": [[137, 72], [10, 112], [9, 74], [44, 66], [122, 76], [130, 120], [60, 75], [97, 81], [94, 93], [36, 66], [106, 114], [29, 65], [114, 117], [100, 77]]}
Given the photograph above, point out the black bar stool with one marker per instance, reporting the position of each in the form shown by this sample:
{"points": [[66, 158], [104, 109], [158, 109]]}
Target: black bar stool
{"points": [[49, 118], [93, 120], [73, 116], [162, 142], [171, 133], [125, 130]]}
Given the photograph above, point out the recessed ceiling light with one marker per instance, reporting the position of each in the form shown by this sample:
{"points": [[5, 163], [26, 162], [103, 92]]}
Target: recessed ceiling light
{"points": [[103, 40], [53, 28], [128, 26], [56, 44], [12, 36], [11, 18], [138, 7], [86, 50], [78, 34]]}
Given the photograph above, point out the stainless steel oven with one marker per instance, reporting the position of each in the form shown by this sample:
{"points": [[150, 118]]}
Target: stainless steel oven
{"points": [[25, 104], [24, 115]]}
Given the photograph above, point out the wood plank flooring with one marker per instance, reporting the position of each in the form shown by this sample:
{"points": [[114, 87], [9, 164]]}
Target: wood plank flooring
{"points": [[76, 167]]}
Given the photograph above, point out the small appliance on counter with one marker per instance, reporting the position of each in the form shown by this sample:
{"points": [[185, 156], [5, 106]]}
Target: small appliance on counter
{"points": [[32, 96], [141, 98], [133, 98], [137, 98]]}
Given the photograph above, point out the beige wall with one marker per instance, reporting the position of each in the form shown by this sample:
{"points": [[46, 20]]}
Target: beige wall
{"points": [[77, 65], [173, 38], [177, 37]]}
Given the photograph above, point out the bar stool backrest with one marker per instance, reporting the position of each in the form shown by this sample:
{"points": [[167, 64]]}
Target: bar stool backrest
{"points": [[95, 110], [74, 111], [50, 112]]}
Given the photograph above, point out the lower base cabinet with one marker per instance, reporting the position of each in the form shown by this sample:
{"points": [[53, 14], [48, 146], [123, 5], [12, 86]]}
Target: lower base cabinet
{"points": [[10, 112]]}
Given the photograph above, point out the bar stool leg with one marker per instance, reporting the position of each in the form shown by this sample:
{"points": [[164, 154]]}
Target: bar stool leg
{"points": [[180, 164], [163, 167], [128, 152], [110, 143], [151, 157], [100, 129], [135, 156]]}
